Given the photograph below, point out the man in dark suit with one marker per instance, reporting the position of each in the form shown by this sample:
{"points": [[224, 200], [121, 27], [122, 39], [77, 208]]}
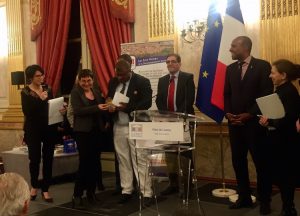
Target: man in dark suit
{"points": [[246, 80], [175, 93], [138, 89]]}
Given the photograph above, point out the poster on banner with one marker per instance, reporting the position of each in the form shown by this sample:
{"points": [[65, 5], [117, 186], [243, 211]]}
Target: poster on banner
{"points": [[149, 60]]}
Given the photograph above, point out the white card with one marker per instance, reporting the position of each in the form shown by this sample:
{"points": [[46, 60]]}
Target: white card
{"points": [[119, 98]]}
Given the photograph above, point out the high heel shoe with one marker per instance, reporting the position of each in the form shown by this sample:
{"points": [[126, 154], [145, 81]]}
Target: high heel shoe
{"points": [[48, 200], [33, 197]]}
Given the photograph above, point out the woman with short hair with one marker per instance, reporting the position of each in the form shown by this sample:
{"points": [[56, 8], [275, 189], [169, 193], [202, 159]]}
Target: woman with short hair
{"points": [[39, 136]]}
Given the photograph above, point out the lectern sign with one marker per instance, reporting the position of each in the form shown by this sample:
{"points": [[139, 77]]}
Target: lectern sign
{"points": [[165, 131]]}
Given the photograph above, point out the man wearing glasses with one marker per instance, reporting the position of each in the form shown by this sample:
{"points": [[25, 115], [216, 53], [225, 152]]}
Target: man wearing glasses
{"points": [[175, 93]]}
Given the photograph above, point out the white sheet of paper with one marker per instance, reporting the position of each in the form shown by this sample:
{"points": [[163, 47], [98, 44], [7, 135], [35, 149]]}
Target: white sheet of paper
{"points": [[118, 97], [54, 115], [271, 106]]}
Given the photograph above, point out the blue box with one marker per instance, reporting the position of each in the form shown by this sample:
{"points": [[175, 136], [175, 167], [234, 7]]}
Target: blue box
{"points": [[70, 146]]}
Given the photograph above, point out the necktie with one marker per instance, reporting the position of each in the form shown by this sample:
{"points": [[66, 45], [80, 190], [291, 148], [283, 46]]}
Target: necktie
{"points": [[171, 92], [123, 88], [240, 69]]}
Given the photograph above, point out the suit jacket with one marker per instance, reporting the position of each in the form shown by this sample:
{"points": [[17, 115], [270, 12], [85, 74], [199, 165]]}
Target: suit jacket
{"points": [[139, 92], [84, 113], [285, 127], [240, 95], [185, 93]]}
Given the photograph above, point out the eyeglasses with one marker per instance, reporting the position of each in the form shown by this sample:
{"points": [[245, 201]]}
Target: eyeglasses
{"points": [[171, 62], [38, 75]]}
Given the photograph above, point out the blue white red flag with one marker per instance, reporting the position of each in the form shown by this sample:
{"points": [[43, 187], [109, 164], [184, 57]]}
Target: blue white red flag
{"points": [[233, 27], [216, 56], [208, 65]]}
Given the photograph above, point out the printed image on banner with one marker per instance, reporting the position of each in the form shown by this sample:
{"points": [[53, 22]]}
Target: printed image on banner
{"points": [[149, 60]]}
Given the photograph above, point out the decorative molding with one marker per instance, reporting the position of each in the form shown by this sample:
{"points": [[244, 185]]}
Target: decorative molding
{"points": [[35, 13], [274, 9], [123, 3], [161, 19]]}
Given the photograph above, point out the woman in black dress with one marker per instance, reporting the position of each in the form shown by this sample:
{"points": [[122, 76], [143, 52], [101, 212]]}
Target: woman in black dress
{"points": [[90, 117], [39, 136], [284, 137]]}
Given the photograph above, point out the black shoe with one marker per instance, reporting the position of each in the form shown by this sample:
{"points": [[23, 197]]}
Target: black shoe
{"points": [[289, 212], [265, 208], [124, 198], [77, 203], [33, 197], [147, 201], [242, 203], [169, 190], [92, 198]]}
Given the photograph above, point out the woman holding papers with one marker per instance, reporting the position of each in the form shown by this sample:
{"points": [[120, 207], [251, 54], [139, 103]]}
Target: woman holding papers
{"points": [[35, 98], [89, 121], [284, 136]]}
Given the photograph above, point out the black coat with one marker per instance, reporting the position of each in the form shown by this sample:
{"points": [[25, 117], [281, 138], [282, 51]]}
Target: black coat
{"points": [[185, 93], [84, 113], [285, 139], [240, 95], [139, 92]]}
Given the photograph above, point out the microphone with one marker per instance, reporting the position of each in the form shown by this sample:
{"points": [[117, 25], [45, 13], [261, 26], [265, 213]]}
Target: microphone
{"points": [[45, 87]]}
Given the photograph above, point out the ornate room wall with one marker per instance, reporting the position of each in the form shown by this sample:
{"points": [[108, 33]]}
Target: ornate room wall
{"points": [[161, 20]]}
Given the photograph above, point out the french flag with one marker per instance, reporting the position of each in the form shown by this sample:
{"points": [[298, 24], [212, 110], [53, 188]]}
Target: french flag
{"points": [[216, 56], [209, 63], [233, 27]]}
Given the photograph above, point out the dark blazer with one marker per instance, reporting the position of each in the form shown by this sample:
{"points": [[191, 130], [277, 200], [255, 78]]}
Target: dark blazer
{"points": [[240, 95], [285, 126], [185, 93], [35, 110], [285, 139], [139, 92], [84, 113]]}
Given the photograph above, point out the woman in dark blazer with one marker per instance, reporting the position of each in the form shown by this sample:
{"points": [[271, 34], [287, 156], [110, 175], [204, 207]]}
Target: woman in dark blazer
{"points": [[285, 139], [89, 110], [35, 98]]}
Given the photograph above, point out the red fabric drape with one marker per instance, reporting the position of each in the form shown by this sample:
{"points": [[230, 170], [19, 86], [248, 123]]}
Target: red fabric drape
{"points": [[104, 35], [51, 43]]}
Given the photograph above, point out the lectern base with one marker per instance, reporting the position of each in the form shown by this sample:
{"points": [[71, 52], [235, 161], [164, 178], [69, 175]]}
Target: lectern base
{"points": [[223, 192]]}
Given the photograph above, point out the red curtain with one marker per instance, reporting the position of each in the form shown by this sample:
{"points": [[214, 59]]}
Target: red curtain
{"points": [[51, 43], [104, 34]]}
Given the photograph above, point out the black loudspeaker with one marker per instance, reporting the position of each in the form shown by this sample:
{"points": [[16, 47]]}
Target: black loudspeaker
{"points": [[18, 78]]}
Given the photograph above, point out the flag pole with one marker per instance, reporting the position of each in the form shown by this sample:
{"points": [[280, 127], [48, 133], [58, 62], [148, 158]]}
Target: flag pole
{"points": [[222, 192]]}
